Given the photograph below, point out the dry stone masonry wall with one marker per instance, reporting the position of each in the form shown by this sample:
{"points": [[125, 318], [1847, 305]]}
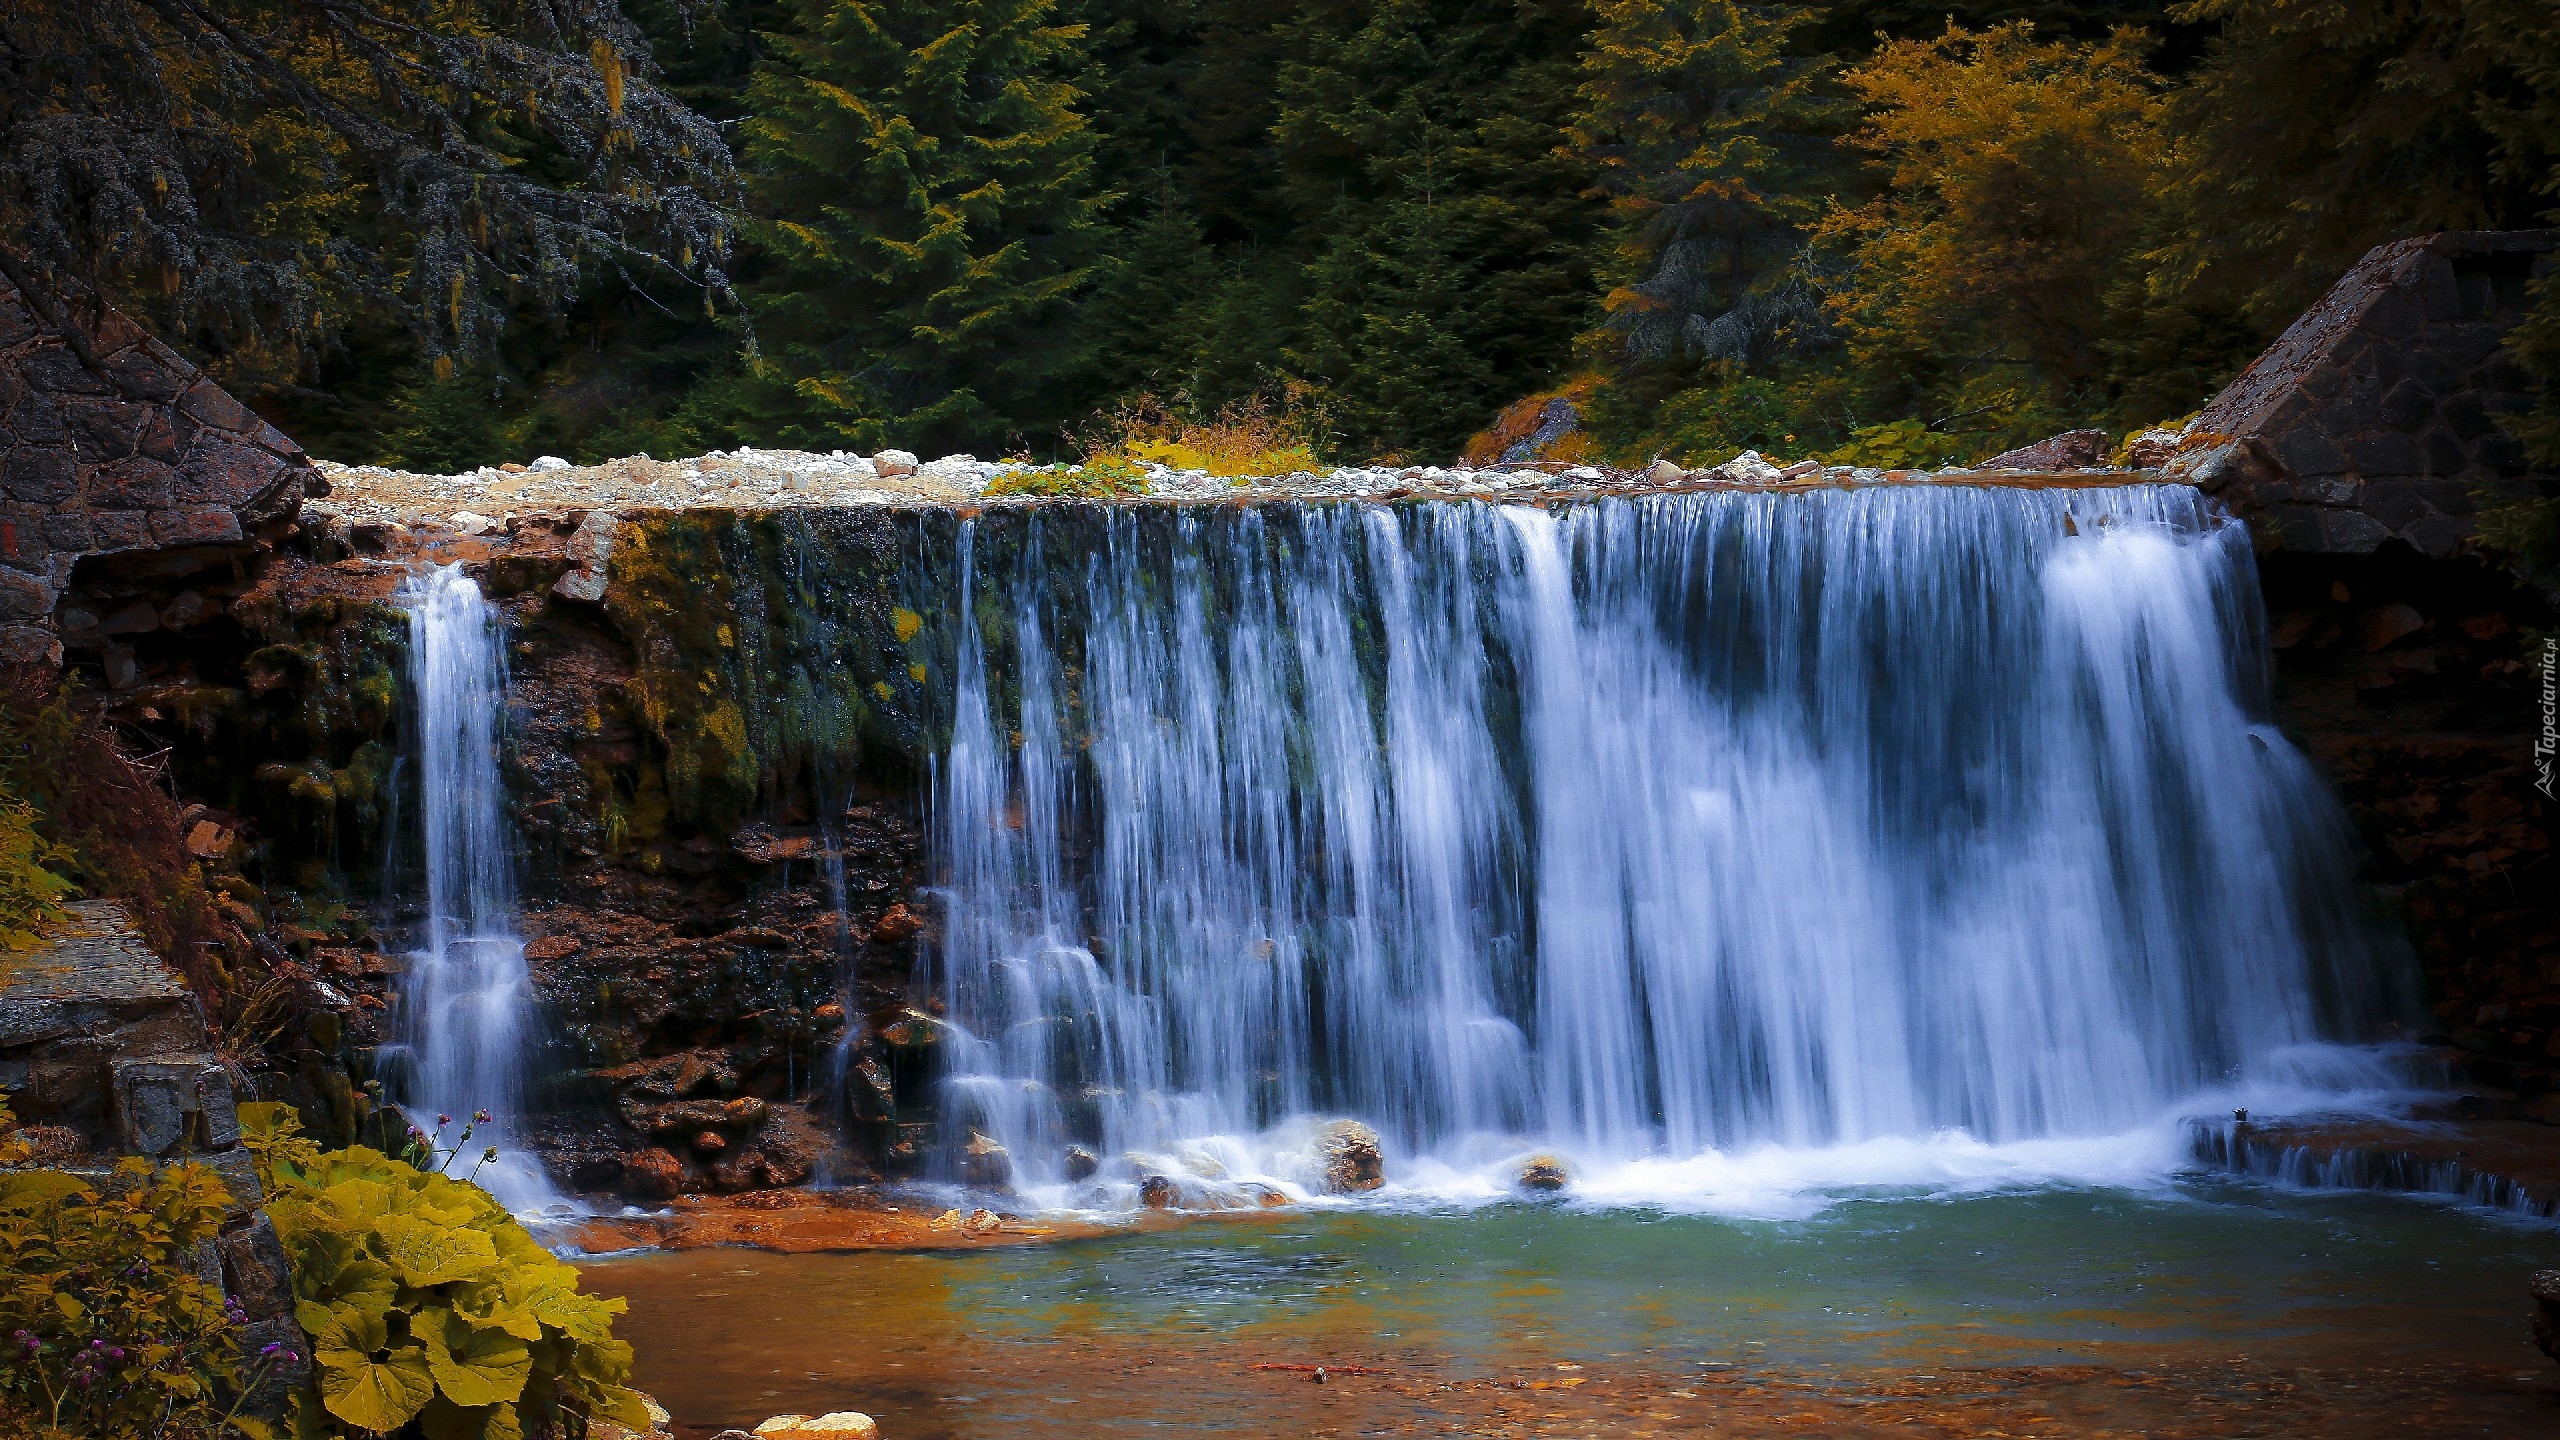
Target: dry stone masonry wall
{"points": [[2376, 415], [141, 453]]}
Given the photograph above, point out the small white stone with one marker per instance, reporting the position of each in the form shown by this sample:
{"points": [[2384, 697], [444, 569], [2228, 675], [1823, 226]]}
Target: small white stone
{"points": [[1748, 468], [839, 1425], [894, 462], [549, 462]]}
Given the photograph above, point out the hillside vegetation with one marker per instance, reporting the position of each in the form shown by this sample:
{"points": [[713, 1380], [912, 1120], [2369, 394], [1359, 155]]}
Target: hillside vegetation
{"points": [[1922, 230]]}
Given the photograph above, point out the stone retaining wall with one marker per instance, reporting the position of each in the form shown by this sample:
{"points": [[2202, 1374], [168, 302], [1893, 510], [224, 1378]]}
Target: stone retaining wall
{"points": [[2376, 415], [142, 453]]}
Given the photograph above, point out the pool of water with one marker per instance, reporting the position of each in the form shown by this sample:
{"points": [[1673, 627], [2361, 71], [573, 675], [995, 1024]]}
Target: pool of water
{"points": [[2207, 1308]]}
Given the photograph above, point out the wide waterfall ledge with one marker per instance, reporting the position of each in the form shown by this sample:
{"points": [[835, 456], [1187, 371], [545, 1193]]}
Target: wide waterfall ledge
{"points": [[1716, 845]]}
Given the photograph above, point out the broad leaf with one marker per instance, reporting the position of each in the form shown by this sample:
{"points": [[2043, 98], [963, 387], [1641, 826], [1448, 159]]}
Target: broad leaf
{"points": [[607, 1362], [497, 1306], [444, 1420], [554, 1297], [363, 1284], [472, 1366], [426, 1253], [624, 1408], [28, 1189], [358, 1202], [375, 1394]]}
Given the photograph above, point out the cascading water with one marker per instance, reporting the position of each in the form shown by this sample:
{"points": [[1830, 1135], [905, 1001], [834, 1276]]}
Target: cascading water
{"points": [[1646, 830], [466, 1004]]}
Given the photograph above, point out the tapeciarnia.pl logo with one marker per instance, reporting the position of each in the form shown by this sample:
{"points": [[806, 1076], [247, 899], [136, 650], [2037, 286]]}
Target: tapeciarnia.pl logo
{"points": [[2546, 746]]}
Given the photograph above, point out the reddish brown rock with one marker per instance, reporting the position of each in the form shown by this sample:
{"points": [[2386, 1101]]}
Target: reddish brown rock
{"points": [[897, 924], [653, 1174], [2071, 450]]}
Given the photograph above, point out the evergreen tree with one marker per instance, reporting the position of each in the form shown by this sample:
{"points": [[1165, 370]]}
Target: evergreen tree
{"points": [[2317, 129], [1716, 146], [1144, 321], [1421, 142], [1393, 317], [927, 212]]}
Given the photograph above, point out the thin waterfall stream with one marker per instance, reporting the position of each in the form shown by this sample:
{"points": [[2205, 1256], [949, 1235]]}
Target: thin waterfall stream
{"points": [[466, 1002], [1883, 835]]}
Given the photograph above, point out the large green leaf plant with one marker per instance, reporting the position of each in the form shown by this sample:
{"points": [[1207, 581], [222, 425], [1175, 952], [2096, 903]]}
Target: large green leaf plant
{"points": [[431, 1311]]}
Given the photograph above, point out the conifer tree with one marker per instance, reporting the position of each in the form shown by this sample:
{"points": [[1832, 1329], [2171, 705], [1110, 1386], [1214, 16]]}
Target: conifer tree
{"points": [[2316, 129], [1144, 322], [927, 213], [1421, 144], [1716, 147]]}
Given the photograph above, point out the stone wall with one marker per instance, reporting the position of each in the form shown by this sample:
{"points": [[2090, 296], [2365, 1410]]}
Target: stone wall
{"points": [[2375, 416], [104, 1054], [139, 455]]}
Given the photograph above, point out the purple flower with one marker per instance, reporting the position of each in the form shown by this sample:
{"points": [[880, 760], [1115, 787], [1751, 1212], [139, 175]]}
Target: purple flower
{"points": [[443, 1120], [479, 1117]]}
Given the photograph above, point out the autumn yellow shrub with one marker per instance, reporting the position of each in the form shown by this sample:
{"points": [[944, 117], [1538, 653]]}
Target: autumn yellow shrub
{"points": [[1257, 435]]}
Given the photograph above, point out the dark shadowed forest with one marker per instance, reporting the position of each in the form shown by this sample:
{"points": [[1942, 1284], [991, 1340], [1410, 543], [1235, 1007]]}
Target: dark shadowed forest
{"points": [[441, 232]]}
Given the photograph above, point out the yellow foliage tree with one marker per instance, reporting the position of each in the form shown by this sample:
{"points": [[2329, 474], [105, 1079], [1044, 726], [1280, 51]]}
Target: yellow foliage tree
{"points": [[2018, 181]]}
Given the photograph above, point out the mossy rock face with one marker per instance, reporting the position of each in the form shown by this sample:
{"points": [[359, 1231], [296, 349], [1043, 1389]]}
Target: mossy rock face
{"points": [[767, 654]]}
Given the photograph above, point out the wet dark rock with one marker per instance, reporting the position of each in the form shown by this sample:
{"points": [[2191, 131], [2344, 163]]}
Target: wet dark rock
{"points": [[2545, 1289], [2371, 418], [1081, 1164], [1157, 1192]]}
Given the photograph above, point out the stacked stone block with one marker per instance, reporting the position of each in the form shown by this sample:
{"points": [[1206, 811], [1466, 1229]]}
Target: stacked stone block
{"points": [[140, 453], [2376, 416]]}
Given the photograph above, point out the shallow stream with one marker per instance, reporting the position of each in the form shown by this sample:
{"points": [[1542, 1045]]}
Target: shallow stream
{"points": [[2196, 1307]]}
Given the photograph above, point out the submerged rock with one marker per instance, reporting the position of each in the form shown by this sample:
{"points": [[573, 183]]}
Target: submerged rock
{"points": [[1349, 1152], [1157, 1192], [1543, 1172]]}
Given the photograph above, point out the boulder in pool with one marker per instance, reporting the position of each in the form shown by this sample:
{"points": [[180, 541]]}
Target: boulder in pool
{"points": [[2545, 1286], [985, 1163], [1349, 1153], [1544, 1173]]}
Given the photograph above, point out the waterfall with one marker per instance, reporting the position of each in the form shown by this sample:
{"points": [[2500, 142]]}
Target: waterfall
{"points": [[466, 1003], [1641, 829]]}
